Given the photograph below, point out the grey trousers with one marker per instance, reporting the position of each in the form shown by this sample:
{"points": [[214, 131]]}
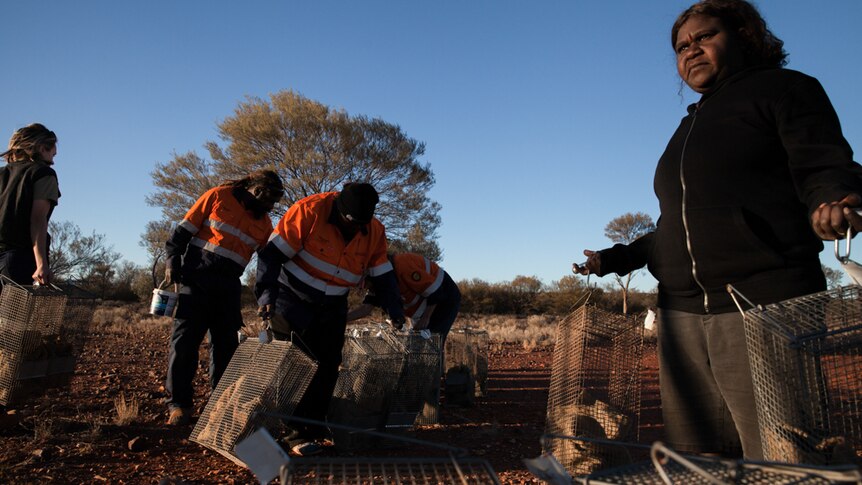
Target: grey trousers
{"points": [[706, 390]]}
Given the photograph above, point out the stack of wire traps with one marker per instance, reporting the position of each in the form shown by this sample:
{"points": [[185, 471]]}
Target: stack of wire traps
{"points": [[41, 335], [261, 378], [384, 380], [806, 363], [595, 389]]}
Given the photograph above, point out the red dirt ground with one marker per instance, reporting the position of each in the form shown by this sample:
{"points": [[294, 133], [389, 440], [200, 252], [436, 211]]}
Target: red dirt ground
{"points": [[68, 434]]}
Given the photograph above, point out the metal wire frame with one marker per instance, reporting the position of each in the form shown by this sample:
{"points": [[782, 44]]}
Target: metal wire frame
{"points": [[806, 362], [383, 382], [269, 376], [30, 327], [595, 387], [467, 348], [666, 467], [454, 468]]}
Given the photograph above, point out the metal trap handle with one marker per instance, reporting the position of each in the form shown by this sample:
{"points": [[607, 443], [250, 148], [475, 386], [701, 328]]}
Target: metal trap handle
{"points": [[847, 243]]}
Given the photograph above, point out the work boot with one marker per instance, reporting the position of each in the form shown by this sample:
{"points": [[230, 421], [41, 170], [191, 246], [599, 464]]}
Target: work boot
{"points": [[179, 416]]}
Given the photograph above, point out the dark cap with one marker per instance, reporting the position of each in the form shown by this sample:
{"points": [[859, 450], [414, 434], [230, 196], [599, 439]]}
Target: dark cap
{"points": [[357, 201]]}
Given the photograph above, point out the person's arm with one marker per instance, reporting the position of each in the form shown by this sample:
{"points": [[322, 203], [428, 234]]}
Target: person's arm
{"points": [[39, 237], [821, 162], [362, 311], [269, 262], [621, 259], [425, 318]]}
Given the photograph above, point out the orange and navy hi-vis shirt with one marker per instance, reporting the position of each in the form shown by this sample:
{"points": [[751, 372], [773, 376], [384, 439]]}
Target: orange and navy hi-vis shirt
{"points": [[318, 255], [418, 277], [220, 225]]}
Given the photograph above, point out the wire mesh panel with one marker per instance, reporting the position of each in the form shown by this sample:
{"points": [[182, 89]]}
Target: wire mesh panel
{"points": [[74, 331], [806, 364], [421, 367], [261, 377], [388, 470], [372, 360], [30, 323], [467, 350], [595, 388], [707, 471]]}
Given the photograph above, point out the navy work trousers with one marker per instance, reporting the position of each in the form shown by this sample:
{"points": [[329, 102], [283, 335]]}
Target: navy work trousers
{"points": [[212, 307]]}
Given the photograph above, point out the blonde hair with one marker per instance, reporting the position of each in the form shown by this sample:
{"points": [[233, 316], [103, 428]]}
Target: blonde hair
{"points": [[25, 144]]}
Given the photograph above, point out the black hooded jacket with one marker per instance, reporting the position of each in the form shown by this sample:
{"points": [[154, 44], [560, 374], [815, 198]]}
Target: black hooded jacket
{"points": [[736, 186]]}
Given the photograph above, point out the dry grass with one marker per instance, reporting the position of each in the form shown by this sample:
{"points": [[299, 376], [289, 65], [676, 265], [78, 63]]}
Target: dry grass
{"points": [[127, 411], [128, 320], [531, 332]]}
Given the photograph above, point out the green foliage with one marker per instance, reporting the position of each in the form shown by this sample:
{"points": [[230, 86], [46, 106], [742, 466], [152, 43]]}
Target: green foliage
{"points": [[314, 148], [625, 229]]}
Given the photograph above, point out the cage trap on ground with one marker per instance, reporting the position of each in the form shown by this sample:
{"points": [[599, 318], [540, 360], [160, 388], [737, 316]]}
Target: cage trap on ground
{"points": [[466, 365], [42, 331], [440, 463], [384, 380], [665, 466], [806, 364], [595, 387], [260, 377]]}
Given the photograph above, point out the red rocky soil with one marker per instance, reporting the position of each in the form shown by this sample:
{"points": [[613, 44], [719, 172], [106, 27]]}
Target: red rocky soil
{"points": [[68, 434]]}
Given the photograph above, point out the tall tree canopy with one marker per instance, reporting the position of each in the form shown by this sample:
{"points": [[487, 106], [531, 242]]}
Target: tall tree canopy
{"points": [[315, 149]]}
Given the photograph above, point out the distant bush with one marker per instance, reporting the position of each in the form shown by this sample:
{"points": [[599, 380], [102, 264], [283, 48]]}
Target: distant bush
{"points": [[527, 295]]}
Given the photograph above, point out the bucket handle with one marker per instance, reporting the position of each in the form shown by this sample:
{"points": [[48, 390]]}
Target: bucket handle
{"points": [[164, 284]]}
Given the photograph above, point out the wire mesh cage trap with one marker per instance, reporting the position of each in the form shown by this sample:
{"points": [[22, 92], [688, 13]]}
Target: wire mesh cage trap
{"points": [[74, 331], [438, 463], [595, 388], [260, 377], [466, 364], [806, 364], [666, 466], [442, 470], [383, 381], [31, 320], [416, 388]]}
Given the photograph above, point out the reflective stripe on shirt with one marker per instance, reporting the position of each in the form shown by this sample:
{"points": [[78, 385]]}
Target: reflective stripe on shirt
{"points": [[329, 268], [227, 253], [225, 227], [311, 281]]}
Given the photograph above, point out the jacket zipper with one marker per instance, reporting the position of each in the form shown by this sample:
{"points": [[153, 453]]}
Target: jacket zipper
{"points": [[685, 219]]}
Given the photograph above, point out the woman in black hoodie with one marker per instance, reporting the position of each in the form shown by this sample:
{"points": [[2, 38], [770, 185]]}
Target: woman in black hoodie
{"points": [[757, 173]]}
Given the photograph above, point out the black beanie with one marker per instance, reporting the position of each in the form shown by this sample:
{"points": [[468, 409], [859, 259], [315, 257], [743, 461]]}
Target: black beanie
{"points": [[357, 201]]}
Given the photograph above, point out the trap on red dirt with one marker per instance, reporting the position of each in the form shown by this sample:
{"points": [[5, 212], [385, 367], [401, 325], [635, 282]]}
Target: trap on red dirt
{"points": [[260, 377], [667, 466], [384, 381], [806, 364], [42, 332], [595, 388]]}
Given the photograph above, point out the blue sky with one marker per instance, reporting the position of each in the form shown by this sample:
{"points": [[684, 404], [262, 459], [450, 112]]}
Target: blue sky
{"points": [[543, 120]]}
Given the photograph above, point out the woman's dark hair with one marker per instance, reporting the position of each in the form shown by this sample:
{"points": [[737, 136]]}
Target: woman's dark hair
{"points": [[26, 142], [267, 179], [760, 45]]}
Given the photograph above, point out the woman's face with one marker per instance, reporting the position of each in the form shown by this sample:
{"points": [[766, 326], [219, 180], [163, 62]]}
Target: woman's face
{"points": [[706, 52], [48, 153]]}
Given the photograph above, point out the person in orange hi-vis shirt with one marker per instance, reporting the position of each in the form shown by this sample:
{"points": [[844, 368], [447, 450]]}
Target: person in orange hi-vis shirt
{"points": [[322, 247], [430, 296], [207, 254]]}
